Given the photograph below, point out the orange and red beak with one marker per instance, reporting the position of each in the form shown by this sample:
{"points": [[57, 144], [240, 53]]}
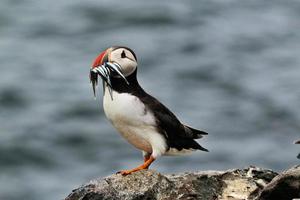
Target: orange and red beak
{"points": [[103, 67], [93, 75], [101, 58]]}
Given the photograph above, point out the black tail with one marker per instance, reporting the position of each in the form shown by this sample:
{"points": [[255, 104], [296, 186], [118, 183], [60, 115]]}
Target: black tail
{"points": [[196, 134], [200, 147], [184, 143]]}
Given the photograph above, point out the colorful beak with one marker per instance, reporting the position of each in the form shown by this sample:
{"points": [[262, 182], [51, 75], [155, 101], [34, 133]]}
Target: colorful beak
{"points": [[104, 68], [94, 75]]}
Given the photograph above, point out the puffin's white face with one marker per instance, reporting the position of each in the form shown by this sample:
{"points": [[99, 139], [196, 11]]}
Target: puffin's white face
{"points": [[125, 58]]}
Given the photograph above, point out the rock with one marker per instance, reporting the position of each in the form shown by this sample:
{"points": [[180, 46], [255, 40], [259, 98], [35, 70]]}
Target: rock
{"points": [[148, 184], [285, 186]]}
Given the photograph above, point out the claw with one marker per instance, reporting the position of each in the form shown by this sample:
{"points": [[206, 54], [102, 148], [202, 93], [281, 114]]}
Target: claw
{"points": [[124, 172]]}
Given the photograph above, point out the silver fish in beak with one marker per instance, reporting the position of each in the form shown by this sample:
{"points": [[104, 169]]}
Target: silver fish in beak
{"points": [[105, 71]]}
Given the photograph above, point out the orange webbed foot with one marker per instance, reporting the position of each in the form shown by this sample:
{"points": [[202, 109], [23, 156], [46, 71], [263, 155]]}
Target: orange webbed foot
{"points": [[145, 165]]}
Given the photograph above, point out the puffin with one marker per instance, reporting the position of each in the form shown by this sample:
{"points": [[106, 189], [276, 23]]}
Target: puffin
{"points": [[298, 142], [139, 117]]}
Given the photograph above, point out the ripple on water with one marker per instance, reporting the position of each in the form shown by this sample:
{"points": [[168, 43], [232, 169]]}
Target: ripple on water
{"points": [[22, 155], [12, 98], [83, 110]]}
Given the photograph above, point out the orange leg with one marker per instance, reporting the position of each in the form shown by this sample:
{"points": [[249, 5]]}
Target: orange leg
{"points": [[145, 165], [146, 157]]}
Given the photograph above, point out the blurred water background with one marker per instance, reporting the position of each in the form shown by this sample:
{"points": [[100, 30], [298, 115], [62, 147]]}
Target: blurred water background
{"points": [[231, 68]]}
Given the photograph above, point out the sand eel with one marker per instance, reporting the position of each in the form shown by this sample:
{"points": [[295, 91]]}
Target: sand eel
{"points": [[140, 118]]}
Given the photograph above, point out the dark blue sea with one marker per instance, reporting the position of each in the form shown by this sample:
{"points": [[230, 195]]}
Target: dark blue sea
{"points": [[231, 68]]}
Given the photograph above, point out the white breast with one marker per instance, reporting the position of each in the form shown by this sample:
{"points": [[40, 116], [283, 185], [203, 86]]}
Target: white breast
{"points": [[134, 121]]}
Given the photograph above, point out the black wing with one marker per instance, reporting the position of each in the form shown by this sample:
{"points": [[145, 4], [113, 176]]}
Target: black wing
{"points": [[179, 136]]}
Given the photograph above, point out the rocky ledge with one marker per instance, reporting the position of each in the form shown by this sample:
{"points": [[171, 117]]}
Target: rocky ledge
{"points": [[247, 184]]}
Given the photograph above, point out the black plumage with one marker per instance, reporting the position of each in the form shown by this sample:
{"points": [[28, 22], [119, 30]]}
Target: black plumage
{"points": [[177, 135]]}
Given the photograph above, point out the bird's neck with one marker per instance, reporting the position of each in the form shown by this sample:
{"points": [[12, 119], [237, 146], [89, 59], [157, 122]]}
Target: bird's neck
{"points": [[120, 86]]}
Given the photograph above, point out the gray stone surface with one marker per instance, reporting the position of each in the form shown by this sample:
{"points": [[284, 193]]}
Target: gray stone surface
{"points": [[247, 184], [285, 186]]}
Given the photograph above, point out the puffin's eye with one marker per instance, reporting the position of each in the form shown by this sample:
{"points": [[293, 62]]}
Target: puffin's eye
{"points": [[123, 55]]}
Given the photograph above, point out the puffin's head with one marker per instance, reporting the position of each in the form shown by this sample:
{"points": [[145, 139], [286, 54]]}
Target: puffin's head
{"points": [[116, 62], [122, 56]]}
